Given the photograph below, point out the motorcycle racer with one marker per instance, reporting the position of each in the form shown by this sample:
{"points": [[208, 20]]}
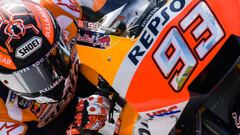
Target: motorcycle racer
{"points": [[38, 81], [35, 70]]}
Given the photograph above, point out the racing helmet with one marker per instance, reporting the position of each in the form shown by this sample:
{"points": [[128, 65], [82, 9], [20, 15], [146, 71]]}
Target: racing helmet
{"points": [[33, 56]]}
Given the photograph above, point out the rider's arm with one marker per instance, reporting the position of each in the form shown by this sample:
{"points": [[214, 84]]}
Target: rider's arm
{"points": [[91, 114]]}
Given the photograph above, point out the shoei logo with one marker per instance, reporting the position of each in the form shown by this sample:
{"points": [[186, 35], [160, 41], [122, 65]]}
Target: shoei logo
{"points": [[29, 47]]}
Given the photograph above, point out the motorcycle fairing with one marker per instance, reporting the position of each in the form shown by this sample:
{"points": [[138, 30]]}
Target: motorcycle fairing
{"points": [[141, 80]]}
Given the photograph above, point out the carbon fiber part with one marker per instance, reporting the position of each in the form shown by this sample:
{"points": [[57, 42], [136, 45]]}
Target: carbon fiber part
{"points": [[220, 101]]}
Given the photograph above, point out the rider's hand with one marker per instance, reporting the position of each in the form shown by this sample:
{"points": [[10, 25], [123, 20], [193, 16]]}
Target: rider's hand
{"points": [[91, 114]]}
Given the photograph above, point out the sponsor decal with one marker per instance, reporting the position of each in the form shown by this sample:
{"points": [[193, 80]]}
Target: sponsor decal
{"points": [[117, 126], [85, 38], [93, 39], [164, 112], [12, 97], [149, 16], [21, 71], [102, 42], [95, 26], [144, 129], [47, 112], [28, 47], [52, 86], [89, 25], [23, 103], [168, 111], [5, 61], [156, 24], [71, 6], [38, 108], [153, 27], [46, 21], [34, 65], [183, 55], [10, 128]]}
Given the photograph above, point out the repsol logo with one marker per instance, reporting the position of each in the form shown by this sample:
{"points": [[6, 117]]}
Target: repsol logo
{"points": [[155, 25], [29, 47]]}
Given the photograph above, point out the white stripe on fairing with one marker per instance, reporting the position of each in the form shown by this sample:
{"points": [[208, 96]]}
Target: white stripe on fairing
{"points": [[127, 68], [14, 111]]}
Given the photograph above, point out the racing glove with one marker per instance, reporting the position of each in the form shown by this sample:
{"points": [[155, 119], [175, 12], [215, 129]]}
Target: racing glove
{"points": [[91, 114]]}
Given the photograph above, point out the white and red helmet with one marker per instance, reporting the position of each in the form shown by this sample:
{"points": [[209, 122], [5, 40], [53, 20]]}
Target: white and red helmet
{"points": [[32, 54]]}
